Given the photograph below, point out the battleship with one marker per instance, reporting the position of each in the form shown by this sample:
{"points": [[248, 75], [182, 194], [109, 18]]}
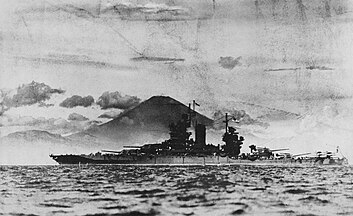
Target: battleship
{"points": [[182, 149]]}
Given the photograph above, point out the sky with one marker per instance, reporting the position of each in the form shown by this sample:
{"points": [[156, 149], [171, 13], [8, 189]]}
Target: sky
{"points": [[292, 55]]}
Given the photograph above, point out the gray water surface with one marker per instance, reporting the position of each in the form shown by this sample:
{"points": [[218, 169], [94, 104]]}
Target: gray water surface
{"points": [[143, 190]]}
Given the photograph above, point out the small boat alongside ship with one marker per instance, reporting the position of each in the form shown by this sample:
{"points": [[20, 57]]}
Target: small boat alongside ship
{"points": [[181, 149]]}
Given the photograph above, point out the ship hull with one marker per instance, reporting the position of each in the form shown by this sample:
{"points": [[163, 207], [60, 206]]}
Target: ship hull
{"points": [[188, 160]]}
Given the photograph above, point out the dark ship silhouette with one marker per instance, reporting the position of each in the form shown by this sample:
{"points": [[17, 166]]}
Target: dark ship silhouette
{"points": [[181, 149]]}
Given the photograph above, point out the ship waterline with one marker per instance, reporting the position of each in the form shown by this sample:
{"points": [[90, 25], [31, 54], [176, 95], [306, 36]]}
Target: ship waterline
{"points": [[188, 160]]}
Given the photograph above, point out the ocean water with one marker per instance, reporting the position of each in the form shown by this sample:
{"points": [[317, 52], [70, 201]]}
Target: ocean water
{"points": [[193, 190]]}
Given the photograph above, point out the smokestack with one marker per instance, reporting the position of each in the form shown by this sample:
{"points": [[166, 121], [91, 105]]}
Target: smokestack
{"points": [[200, 135]]}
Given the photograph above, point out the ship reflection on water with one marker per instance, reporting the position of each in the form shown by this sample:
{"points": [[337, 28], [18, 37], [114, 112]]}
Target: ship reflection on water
{"points": [[186, 190]]}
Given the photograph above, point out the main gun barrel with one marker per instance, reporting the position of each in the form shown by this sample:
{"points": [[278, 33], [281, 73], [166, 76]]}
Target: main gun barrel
{"points": [[302, 154], [111, 151], [274, 150], [132, 146]]}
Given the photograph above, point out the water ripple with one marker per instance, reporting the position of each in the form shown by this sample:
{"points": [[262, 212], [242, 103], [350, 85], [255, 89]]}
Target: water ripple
{"points": [[192, 190]]}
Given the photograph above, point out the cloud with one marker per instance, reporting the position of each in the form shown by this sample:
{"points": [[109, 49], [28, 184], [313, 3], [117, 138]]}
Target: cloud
{"points": [[77, 100], [3, 108], [149, 8], [267, 114], [111, 114], [330, 116], [3, 98], [23, 121], [52, 125], [30, 121], [240, 116], [149, 11], [324, 128], [127, 121], [76, 60], [116, 100], [42, 104], [77, 117], [95, 122], [229, 62], [29, 94]]}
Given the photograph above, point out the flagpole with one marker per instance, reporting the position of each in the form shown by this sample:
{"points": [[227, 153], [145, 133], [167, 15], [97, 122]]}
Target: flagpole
{"points": [[226, 122], [190, 115], [194, 119], [193, 105]]}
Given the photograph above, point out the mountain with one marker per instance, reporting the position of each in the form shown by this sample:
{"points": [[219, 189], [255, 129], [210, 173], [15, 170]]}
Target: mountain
{"points": [[34, 147], [147, 122], [35, 136]]}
